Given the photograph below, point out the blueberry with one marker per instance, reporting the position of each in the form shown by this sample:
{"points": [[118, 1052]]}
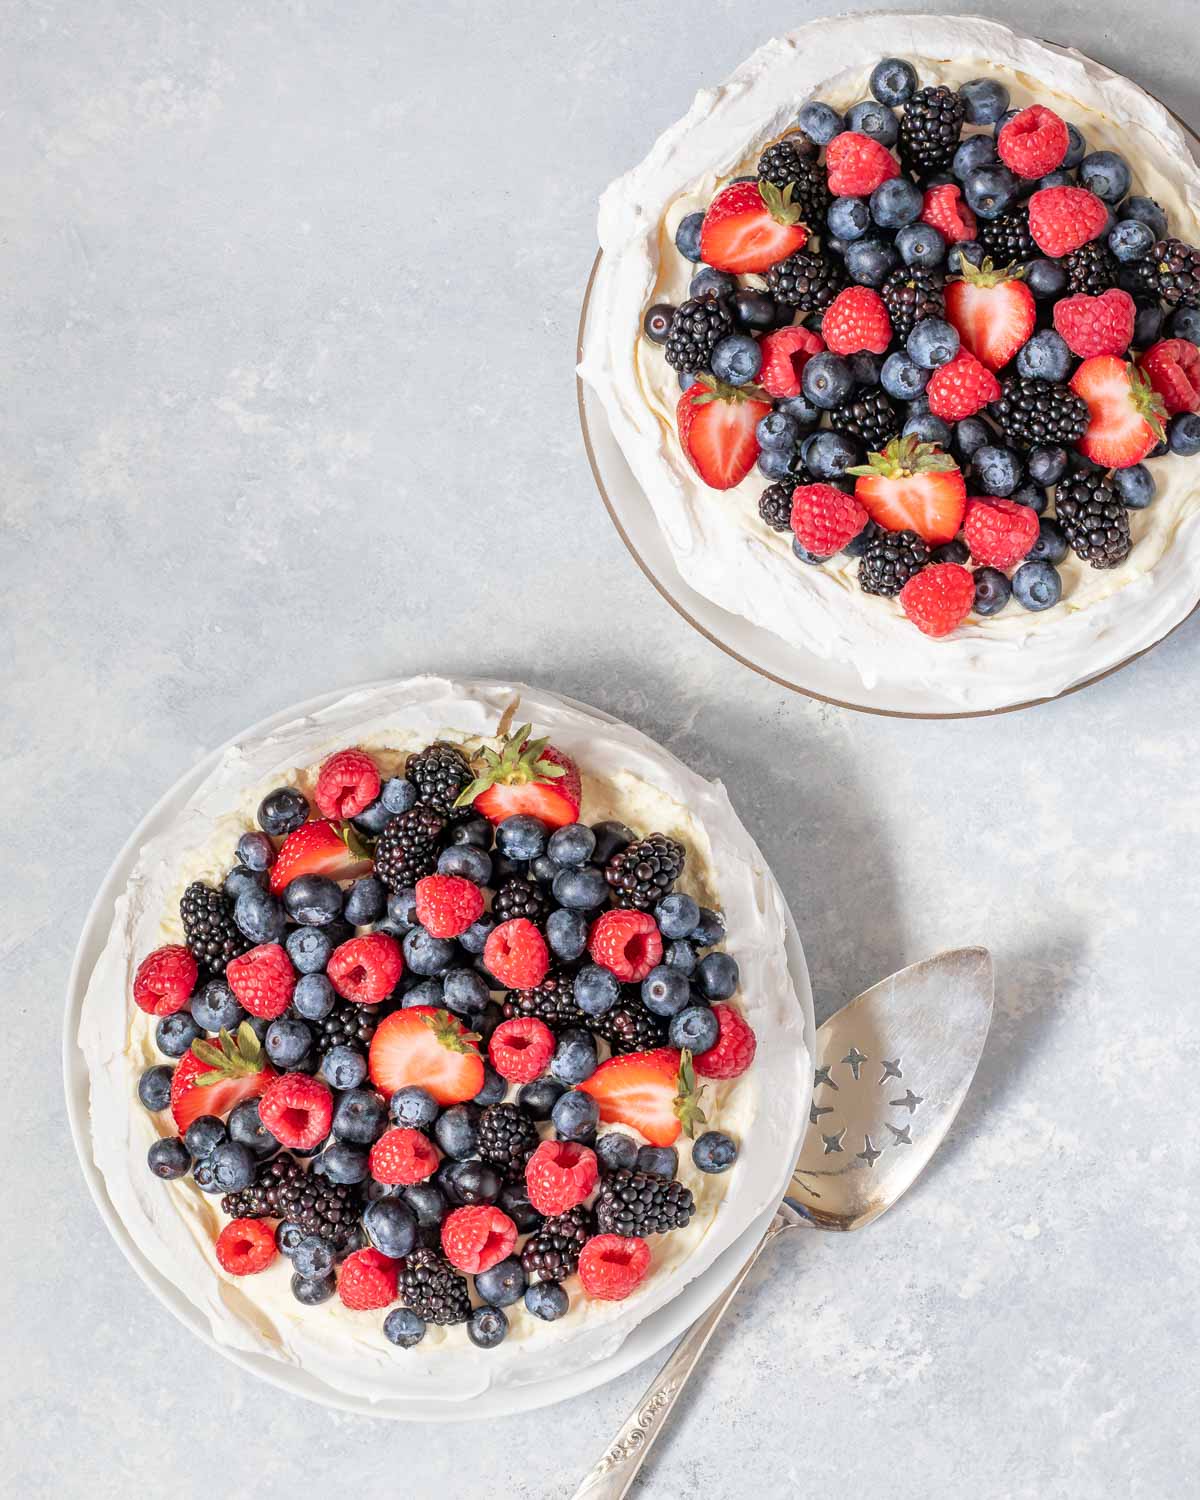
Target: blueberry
{"points": [[1032, 495], [402, 908], [596, 990], [951, 552], [893, 81], [848, 218], [778, 431], [313, 900], [736, 359], [240, 879], [486, 1327], [755, 310], [1046, 279], [427, 1202], [656, 324], [687, 236], [714, 1152], [537, 1099], [1146, 211], [921, 245], [256, 851], [282, 811], [521, 837], [204, 1175], [574, 1057], [1037, 585], [991, 191], [1147, 324], [928, 429], [695, 1028], [309, 949], [710, 929], [707, 280], [1009, 114], [391, 1226], [1106, 174], [546, 1300], [341, 1162], [404, 1328], [1130, 240], [964, 250], [1183, 434], [154, 1087], [412, 1106], [343, 1067], [774, 464], [287, 1042], [465, 991], [1045, 357], [580, 890], [175, 1034], [617, 1151], [1046, 465], [827, 380], [677, 915], [658, 1161], [426, 955], [567, 934], [456, 1131], [476, 1181], [373, 819], [871, 262], [359, 1116], [1051, 544], [974, 152], [474, 940], [1061, 178], [493, 1088], [992, 591], [865, 368], [665, 991], [203, 1134], [1134, 485], [874, 120], [932, 343], [902, 377], [311, 1291], [288, 1235], [801, 410], [610, 836], [820, 122], [233, 1166], [425, 992], [503, 1283], [718, 976], [985, 100], [246, 1127], [1076, 147], [681, 955], [168, 1158], [398, 795], [997, 469]]}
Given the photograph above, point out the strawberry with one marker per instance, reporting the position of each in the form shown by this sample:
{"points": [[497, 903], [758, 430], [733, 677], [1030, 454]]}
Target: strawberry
{"points": [[961, 388], [366, 969], [319, 849], [913, 486], [403, 1155], [1127, 414], [857, 322], [368, 1280], [611, 1266], [993, 311], [999, 533], [165, 980], [1062, 219], [945, 210], [626, 943], [784, 355], [653, 1092], [733, 1051], [749, 226], [1173, 369], [478, 1237], [262, 980], [516, 954], [1033, 142], [524, 776], [856, 165], [447, 904], [559, 1175], [245, 1246], [824, 518], [347, 783], [716, 429], [938, 598], [210, 1079], [1096, 325], [429, 1048], [297, 1109]]}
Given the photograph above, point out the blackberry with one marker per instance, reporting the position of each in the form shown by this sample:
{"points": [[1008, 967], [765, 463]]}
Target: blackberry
{"points": [[552, 1251], [346, 1025], [552, 1001], [433, 1289], [890, 561], [775, 506], [868, 416], [439, 773], [518, 897], [1039, 413], [698, 325], [639, 1203], [211, 934], [642, 873], [930, 125], [1093, 518], [630, 1027], [283, 1189], [806, 279], [1007, 238], [407, 848], [910, 294], [784, 163], [1171, 271], [507, 1139], [1092, 269]]}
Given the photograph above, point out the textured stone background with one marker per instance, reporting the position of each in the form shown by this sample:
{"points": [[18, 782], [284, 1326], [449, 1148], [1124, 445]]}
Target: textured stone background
{"points": [[288, 307]]}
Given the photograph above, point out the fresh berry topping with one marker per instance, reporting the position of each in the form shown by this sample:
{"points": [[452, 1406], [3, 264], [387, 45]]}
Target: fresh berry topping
{"points": [[627, 943], [440, 773], [319, 849], [644, 872], [1096, 325], [165, 980], [366, 969], [611, 1267], [297, 1109], [262, 980], [999, 532], [448, 904], [716, 425], [368, 1280], [1173, 369], [403, 1155], [520, 1049], [945, 210], [429, 1048], [1033, 142], [913, 486], [245, 1246], [211, 1079], [930, 126], [784, 355], [939, 598], [524, 776], [857, 322], [751, 225], [654, 1092], [856, 165], [889, 560], [1061, 219], [1126, 415], [1094, 520], [516, 953], [478, 1237], [734, 1049], [992, 310], [1034, 413], [347, 783], [559, 1175], [961, 388], [824, 518]]}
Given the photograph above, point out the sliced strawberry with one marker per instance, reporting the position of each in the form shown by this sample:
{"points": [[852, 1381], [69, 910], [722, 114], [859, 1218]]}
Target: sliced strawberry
{"points": [[993, 311], [429, 1048], [525, 776], [213, 1080], [749, 226], [319, 849], [1127, 414], [913, 486], [716, 427], [654, 1093]]}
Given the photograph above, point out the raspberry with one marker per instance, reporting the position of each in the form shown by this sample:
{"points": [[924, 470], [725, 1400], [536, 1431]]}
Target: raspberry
{"points": [[857, 321], [824, 518], [857, 165], [1096, 325], [366, 969], [245, 1246], [165, 980], [262, 980], [519, 1049], [559, 1175], [626, 943], [999, 532], [945, 210], [961, 388], [1063, 219], [297, 1109], [516, 953], [938, 599], [448, 904], [784, 355], [1033, 142], [736, 1044], [1173, 368], [478, 1237], [368, 1280], [611, 1266], [403, 1156], [346, 784]]}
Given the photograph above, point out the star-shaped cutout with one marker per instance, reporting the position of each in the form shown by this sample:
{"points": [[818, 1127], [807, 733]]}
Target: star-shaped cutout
{"points": [[869, 1153], [891, 1070], [817, 1110], [856, 1059], [822, 1076], [903, 1137], [833, 1142], [909, 1102]]}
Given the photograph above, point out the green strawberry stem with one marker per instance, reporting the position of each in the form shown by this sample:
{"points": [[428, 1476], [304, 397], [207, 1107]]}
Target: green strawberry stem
{"points": [[686, 1104], [240, 1058], [519, 763]]}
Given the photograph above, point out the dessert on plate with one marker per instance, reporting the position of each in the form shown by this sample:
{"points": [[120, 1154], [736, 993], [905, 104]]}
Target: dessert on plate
{"points": [[898, 332], [430, 1048]]}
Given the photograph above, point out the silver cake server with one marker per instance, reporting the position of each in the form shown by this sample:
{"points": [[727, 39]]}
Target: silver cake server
{"points": [[892, 1069]]}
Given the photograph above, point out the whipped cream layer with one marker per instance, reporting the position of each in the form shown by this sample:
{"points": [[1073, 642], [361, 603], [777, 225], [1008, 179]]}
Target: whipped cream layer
{"points": [[625, 776], [719, 542]]}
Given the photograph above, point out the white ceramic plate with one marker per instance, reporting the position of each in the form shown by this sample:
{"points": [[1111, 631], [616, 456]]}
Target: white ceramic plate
{"points": [[646, 1339]]}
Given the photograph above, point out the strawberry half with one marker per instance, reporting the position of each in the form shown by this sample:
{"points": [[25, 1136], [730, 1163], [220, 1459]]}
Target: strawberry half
{"points": [[1127, 414], [525, 776], [913, 486], [749, 226], [210, 1079], [320, 848], [716, 427], [993, 311], [427, 1047], [654, 1093]]}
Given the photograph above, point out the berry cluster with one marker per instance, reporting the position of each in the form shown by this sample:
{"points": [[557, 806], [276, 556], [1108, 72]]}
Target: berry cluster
{"points": [[964, 310], [400, 1023]]}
